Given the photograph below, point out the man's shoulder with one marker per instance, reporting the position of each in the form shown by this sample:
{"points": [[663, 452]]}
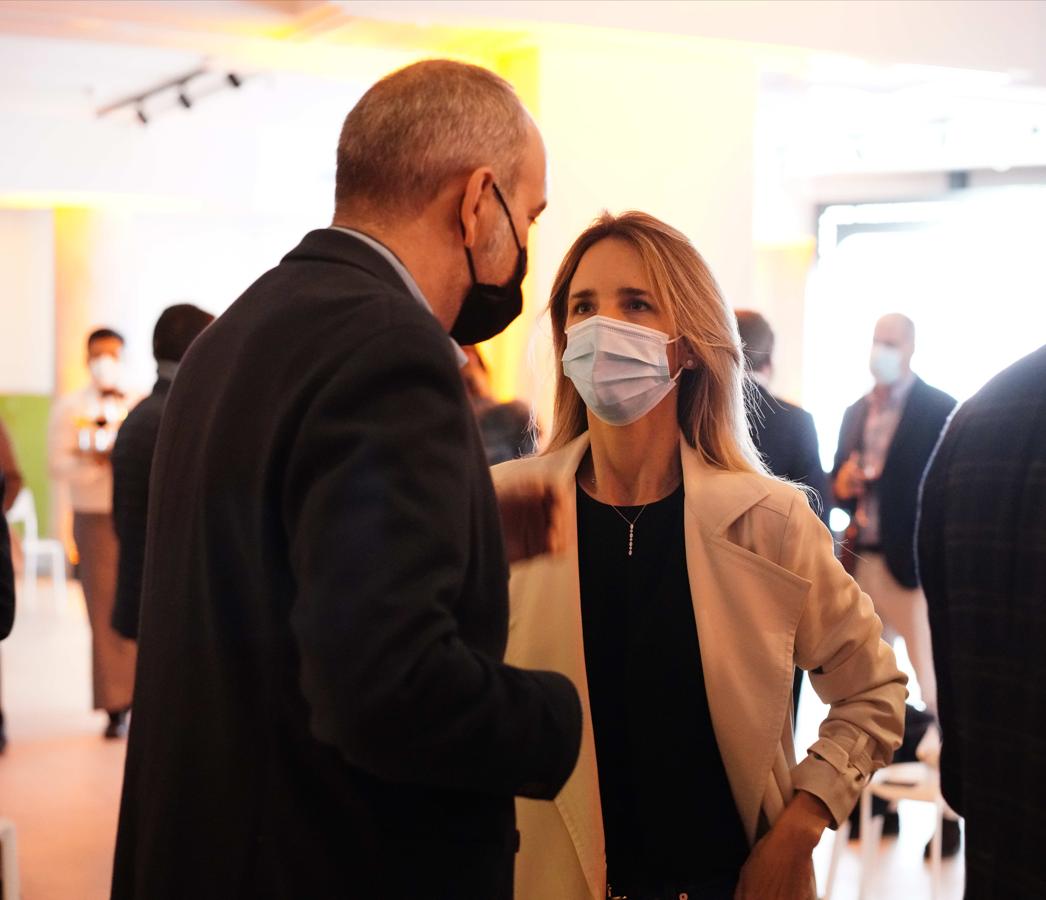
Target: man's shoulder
{"points": [[931, 396]]}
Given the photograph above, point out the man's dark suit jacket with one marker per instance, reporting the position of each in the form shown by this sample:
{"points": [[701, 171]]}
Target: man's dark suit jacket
{"points": [[924, 415], [321, 707], [982, 558], [785, 434], [7, 575], [132, 461]]}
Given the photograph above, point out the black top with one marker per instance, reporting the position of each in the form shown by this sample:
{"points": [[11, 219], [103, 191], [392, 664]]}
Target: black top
{"points": [[132, 461], [668, 813], [321, 709]]}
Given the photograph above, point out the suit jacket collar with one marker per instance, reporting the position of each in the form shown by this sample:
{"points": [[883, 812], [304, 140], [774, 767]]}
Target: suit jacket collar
{"points": [[333, 246]]}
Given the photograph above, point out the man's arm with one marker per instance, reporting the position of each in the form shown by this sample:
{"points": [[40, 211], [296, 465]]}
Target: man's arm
{"points": [[376, 511]]}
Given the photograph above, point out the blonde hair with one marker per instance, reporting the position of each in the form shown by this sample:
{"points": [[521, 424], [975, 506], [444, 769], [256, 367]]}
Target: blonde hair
{"points": [[711, 407], [423, 125]]}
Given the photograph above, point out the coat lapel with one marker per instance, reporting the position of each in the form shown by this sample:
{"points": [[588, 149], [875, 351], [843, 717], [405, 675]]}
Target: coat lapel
{"points": [[746, 642], [555, 641]]}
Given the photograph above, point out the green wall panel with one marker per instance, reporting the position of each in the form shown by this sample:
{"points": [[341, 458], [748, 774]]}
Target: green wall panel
{"points": [[25, 417]]}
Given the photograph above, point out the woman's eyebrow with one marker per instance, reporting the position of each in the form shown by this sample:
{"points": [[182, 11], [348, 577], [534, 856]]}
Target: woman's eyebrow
{"points": [[586, 294]]}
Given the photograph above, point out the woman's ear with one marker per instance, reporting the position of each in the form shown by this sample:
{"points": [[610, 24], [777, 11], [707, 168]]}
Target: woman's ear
{"points": [[478, 183], [687, 353]]}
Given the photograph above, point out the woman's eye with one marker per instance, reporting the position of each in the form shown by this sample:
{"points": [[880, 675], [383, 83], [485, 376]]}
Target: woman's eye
{"points": [[581, 308], [638, 305]]}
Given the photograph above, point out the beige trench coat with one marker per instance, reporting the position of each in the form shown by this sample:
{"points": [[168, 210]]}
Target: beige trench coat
{"points": [[768, 595]]}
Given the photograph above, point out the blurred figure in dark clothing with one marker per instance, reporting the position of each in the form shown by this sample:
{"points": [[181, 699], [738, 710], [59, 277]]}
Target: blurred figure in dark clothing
{"points": [[507, 429], [982, 560], [10, 485], [783, 432], [132, 459]]}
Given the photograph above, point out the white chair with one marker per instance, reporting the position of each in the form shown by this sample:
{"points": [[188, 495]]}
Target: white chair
{"points": [[23, 513], [901, 781], [10, 889]]}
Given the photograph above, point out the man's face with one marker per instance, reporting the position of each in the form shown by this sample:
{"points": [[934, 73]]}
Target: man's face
{"points": [[105, 346], [893, 331]]}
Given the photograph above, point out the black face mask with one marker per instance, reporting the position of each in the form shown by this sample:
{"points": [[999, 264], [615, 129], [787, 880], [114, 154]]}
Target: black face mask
{"points": [[489, 309]]}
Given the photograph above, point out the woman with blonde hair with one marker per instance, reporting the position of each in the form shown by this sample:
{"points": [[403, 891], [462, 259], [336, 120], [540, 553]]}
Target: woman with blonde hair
{"points": [[686, 586]]}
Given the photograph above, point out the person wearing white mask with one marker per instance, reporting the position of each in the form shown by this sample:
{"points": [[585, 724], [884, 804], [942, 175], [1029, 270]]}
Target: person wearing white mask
{"points": [[81, 433], [885, 442], [684, 586]]}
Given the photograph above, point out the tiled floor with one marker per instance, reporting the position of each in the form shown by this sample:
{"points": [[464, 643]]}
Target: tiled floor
{"points": [[60, 782]]}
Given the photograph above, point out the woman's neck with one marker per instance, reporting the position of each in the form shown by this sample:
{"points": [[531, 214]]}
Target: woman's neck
{"points": [[635, 464]]}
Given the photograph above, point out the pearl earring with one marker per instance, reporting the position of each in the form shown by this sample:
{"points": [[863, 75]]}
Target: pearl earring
{"points": [[689, 363]]}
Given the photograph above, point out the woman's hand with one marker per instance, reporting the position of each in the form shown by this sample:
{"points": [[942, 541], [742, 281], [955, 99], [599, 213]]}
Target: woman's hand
{"points": [[780, 866]]}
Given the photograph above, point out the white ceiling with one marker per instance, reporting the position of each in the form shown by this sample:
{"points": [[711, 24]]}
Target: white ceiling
{"points": [[884, 85]]}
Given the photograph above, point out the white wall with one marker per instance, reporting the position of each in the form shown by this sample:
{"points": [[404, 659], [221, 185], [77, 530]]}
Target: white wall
{"points": [[26, 302]]}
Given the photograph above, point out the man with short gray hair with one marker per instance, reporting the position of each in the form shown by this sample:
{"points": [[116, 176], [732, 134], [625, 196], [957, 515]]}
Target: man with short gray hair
{"points": [[322, 709]]}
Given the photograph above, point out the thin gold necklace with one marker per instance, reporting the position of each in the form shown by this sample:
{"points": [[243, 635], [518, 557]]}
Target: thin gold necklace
{"points": [[631, 524]]}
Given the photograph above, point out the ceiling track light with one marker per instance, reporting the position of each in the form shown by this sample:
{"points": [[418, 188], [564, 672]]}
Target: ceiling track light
{"points": [[180, 87]]}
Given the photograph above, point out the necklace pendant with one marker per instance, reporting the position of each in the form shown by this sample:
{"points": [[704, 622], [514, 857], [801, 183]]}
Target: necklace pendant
{"points": [[631, 532]]}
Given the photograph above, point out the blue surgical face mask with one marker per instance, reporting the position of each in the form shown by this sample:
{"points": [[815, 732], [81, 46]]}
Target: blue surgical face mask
{"points": [[886, 363], [619, 369]]}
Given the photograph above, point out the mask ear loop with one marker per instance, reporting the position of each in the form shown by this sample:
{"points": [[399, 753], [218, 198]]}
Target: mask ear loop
{"points": [[682, 366]]}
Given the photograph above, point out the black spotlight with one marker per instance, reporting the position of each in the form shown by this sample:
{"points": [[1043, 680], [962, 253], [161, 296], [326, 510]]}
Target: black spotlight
{"points": [[184, 100], [234, 79], [140, 113]]}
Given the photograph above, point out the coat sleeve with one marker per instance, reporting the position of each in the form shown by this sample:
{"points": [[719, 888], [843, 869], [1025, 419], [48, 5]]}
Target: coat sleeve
{"points": [[852, 669], [377, 512]]}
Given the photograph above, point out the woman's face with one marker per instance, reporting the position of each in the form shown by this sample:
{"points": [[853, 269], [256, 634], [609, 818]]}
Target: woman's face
{"points": [[611, 281]]}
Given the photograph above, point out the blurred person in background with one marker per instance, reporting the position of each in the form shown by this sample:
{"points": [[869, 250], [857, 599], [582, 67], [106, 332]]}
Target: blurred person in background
{"points": [[80, 438], [10, 485], [132, 458], [885, 441], [322, 709], [507, 429], [689, 586], [982, 559], [783, 433]]}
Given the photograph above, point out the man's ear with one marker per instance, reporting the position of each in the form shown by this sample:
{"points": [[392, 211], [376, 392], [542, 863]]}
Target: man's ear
{"points": [[479, 182]]}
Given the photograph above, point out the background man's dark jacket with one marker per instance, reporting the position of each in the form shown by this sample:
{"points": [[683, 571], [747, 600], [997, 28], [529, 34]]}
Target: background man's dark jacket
{"points": [[132, 461], [785, 435], [321, 710], [982, 558], [923, 417], [7, 575]]}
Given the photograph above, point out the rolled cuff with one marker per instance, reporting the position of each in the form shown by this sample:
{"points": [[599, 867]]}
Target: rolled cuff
{"points": [[838, 788]]}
